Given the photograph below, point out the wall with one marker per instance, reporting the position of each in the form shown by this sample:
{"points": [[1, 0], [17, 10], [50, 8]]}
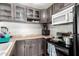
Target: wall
{"points": [[61, 28], [22, 28]]}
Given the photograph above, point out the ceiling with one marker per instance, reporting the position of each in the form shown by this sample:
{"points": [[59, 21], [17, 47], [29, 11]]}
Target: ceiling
{"points": [[38, 5]]}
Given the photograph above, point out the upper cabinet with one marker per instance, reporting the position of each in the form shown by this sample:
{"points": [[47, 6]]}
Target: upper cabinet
{"points": [[19, 13], [57, 7], [37, 14], [49, 14], [43, 16], [46, 15], [5, 12], [33, 15], [29, 13]]}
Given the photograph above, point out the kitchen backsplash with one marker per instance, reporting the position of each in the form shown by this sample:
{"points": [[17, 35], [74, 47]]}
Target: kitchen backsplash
{"points": [[61, 28], [22, 28]]}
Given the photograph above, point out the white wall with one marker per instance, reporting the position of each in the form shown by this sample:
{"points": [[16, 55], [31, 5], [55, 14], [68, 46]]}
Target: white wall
{"points": [[61, 28], [22, 28]]}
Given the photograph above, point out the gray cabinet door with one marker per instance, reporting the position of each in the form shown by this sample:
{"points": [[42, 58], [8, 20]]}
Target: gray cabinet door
{"points": [[34, 50], [33, 47], [49, 14], [20, 48], [43, 16], [27, 50], [28, 47], [40, 51], [57, 7], [37, 47]]}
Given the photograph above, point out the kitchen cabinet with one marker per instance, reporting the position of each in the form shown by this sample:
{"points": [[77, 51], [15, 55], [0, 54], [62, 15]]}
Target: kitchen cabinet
{"points": [[29, 13], [34, 50], [20, 45], [27, 50], [49, 14], [19, 13], [43, 16], [57, 7], [37, 14], [33, 15], [5, 12], [37, 47], [40, 43], [29, 47], [33, 47]]}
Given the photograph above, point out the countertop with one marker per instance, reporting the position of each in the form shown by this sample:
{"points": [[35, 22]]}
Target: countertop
{"points": [[12, 41]]}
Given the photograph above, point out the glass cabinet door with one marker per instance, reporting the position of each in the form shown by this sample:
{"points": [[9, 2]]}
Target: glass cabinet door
{"points": [[19, 16], [5, 11], [36, 14], [29, 13]]}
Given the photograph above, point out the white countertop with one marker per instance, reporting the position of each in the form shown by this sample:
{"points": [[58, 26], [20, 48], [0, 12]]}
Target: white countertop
{"points": [[4, 48]]}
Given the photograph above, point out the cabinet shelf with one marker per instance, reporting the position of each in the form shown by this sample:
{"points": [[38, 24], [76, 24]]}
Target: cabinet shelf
{"points": [[5, 15], [5, 11], [36, 14]]}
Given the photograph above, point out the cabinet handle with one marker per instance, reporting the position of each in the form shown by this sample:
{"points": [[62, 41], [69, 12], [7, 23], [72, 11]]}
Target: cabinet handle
{"points": [[30, 46], [24, 46]]}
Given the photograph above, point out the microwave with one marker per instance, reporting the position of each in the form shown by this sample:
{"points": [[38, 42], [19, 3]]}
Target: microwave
{"points": [[64, 16]]}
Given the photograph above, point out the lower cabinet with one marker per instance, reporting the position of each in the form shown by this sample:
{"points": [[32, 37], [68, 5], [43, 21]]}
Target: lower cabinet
{"points": [[40, 52], [20, 48], [28, 47], [32, 47], [27, 50], [34, 50]]}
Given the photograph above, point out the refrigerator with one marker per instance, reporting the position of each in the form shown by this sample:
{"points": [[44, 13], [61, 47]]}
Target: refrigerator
{"points": [[76, 30]]}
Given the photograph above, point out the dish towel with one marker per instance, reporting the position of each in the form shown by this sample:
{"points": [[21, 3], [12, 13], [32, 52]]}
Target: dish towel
{"points": [[51, 50]]}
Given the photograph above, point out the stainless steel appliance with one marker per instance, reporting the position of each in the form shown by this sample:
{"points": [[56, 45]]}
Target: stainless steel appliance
{"points": [[65, 37], [76, 30]]}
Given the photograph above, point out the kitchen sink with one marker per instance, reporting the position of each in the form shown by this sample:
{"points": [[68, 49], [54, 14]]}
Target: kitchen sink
{"points": [[4, 48]]}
